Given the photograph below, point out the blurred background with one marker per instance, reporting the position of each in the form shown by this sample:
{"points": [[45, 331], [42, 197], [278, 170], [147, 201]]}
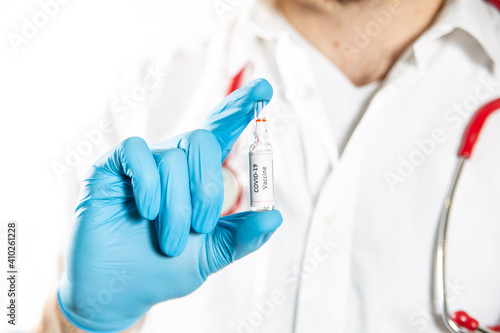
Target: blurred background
{"points": [[58, 80]]}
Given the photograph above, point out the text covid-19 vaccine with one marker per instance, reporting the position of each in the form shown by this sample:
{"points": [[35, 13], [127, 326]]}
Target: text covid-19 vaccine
{"points": [[261, 164]]}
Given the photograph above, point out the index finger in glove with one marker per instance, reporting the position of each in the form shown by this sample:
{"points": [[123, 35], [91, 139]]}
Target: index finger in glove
{"points": [[134, 159], [228, 119]]}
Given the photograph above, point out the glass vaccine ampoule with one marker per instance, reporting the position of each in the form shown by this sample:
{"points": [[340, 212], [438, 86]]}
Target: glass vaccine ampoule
{"points": [[261, 164]]}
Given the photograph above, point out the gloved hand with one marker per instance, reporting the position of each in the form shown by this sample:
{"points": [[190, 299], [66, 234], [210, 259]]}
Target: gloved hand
{"points": [[147, 226]]}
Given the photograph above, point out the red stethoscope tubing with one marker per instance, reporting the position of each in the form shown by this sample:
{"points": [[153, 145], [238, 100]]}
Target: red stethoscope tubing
{"points": [[495, 3], [459, 321], [474, 127], [236, 83]]}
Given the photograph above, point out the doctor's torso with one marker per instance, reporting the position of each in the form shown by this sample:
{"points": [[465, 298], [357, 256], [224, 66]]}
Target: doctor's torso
{"points": [[355, 251]]}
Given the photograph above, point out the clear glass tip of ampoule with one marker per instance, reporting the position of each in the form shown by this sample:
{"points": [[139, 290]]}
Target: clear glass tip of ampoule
{"points": [[259, 110]]}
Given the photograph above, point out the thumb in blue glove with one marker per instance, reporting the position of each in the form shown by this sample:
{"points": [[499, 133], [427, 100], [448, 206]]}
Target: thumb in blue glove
{"points": [[147, 230]]}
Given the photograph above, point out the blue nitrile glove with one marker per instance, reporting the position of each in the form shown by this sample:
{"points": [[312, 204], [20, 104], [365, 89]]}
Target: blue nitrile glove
{"points": [[147, 226]]}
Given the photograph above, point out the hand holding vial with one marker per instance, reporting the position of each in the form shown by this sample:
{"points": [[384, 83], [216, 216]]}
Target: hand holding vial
{"points": [[148, 228]]}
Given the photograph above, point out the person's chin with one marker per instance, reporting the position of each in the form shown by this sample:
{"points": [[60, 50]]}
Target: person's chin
{"points": [[325, 4]]}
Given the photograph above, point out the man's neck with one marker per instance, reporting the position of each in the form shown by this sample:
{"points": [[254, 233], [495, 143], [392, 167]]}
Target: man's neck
{"points": [[362, 38]]}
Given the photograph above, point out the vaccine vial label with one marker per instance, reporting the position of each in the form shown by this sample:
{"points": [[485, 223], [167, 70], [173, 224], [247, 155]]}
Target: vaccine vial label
{"points": [[261, 179]]}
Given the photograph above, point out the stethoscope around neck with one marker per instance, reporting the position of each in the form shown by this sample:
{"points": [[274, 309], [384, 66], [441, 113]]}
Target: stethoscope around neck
{"points": [[459, 321]]}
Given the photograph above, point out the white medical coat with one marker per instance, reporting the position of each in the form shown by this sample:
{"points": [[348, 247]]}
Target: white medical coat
{"points": [[355, 251]]}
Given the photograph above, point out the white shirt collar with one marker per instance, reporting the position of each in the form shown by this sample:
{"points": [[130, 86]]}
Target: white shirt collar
{"points": [[475, 17]]}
